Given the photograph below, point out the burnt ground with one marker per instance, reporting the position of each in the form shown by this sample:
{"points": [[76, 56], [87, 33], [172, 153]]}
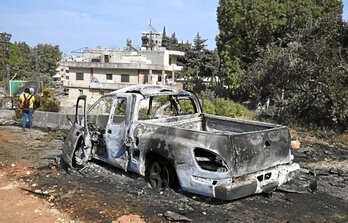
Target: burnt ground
{"points": [[101, 193]]}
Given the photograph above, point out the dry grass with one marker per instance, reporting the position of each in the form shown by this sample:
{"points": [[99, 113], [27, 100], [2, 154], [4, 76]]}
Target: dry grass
{"points": [[313, 137], [307, 136], [343, 139]]}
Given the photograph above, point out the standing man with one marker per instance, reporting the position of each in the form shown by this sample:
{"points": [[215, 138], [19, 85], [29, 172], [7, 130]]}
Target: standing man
{"points": [[27, 105]]}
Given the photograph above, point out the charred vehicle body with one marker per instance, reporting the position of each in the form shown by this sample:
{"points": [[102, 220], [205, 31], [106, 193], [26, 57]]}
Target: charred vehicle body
{"points": [[161, 133]]}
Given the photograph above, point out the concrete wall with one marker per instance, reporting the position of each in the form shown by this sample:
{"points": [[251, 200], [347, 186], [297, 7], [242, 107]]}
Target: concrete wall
{"points": [[55, 120], [156, 57], [7, 114], [51, 120], [41, 119]]}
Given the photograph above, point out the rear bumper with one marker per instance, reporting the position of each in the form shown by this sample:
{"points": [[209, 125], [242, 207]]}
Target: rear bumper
{"points": [[259, 182]]}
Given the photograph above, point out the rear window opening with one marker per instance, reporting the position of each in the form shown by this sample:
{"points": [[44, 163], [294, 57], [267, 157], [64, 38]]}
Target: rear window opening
{"points": [[165, 106]]}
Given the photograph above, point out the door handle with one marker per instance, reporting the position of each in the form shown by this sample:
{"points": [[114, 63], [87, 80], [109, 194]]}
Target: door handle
{"points": [[109, 131]]}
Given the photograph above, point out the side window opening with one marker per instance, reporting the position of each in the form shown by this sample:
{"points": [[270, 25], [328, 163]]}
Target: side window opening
{"points": [[101, 107], [99, 113], [154, 107], [165, 105], [120, 111], [186, 106]]}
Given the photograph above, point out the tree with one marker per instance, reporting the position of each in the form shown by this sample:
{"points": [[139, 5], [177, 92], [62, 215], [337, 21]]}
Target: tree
{"points": [[248, 26], [307, 81], [4, 45], [20, 61], [46, 57], [171, 43], [198, 43], [38, 63], [198, 63]]}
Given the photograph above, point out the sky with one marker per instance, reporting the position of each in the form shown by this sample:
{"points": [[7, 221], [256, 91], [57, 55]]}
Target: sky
{"points": [[74, 24]]}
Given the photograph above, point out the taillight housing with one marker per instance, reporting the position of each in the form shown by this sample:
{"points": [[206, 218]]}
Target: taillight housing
{"points": [[208, 160]]}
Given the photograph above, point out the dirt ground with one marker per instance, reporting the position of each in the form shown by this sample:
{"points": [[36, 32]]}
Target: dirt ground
{"points": [[34, 188]]}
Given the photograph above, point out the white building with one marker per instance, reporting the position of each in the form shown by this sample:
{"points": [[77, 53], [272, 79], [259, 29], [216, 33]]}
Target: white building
{"points": [[99, 71]]}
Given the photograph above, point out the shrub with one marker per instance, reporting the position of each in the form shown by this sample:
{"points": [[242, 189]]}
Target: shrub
{"points": [[226, 108], [47, 102], [209, 107], [229, 108]]}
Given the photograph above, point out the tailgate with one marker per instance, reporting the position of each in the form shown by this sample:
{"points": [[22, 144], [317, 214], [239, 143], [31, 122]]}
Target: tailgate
{"points": [[260, 150]]}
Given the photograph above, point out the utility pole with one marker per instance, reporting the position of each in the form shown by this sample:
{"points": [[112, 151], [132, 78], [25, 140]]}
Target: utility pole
{"points": [[37, 61], [4, 45]]}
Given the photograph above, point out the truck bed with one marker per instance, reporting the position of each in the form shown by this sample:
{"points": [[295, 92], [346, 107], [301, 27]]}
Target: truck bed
{"points": [[212, 123], [251, 146]]}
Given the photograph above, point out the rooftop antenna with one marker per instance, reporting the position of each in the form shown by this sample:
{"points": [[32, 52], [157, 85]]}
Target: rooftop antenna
{"points": [[151, 31], [151, 28], [151, 37], [81, 50]]}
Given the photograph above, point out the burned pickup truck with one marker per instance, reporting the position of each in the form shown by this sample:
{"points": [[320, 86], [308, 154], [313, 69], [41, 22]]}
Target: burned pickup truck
{"points": [[161, 133]]}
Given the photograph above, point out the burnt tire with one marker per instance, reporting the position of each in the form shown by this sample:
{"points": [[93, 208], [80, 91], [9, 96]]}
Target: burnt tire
{"points": [[160, 174]]}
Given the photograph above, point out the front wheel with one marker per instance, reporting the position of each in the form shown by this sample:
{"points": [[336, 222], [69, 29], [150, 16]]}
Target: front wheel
{"points": [[160, 174]]}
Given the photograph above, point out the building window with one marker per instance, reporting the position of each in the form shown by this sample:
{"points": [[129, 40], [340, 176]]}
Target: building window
{"points": [[95, 60], [108, 76], [67, 77], [159, 79], [106, 58], [170, 61], [124, 77], [79, 76]]}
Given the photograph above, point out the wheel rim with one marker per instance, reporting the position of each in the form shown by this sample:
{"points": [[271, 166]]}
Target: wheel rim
{"points": [[159, 176]]}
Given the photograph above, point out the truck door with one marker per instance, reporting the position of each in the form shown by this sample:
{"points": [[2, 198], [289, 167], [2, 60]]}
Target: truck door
{"points": [[116, 131], [77, 149]]}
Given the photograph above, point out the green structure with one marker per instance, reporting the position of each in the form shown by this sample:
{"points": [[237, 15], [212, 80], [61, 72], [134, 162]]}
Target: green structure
{"points": [[17, 87]]}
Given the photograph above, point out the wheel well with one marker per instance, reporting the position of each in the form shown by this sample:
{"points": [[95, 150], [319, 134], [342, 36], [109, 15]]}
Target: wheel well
{"points": [[150, 156]]}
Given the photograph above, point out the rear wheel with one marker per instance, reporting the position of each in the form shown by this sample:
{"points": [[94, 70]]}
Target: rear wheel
{"points": [[160, 174]]}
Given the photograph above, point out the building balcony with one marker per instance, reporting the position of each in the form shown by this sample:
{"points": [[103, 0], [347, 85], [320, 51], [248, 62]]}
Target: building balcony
{"points": [[92, 85], [133, 66]]}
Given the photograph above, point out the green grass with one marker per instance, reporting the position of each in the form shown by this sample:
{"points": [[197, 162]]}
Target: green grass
{"points": [[56, 135]]}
